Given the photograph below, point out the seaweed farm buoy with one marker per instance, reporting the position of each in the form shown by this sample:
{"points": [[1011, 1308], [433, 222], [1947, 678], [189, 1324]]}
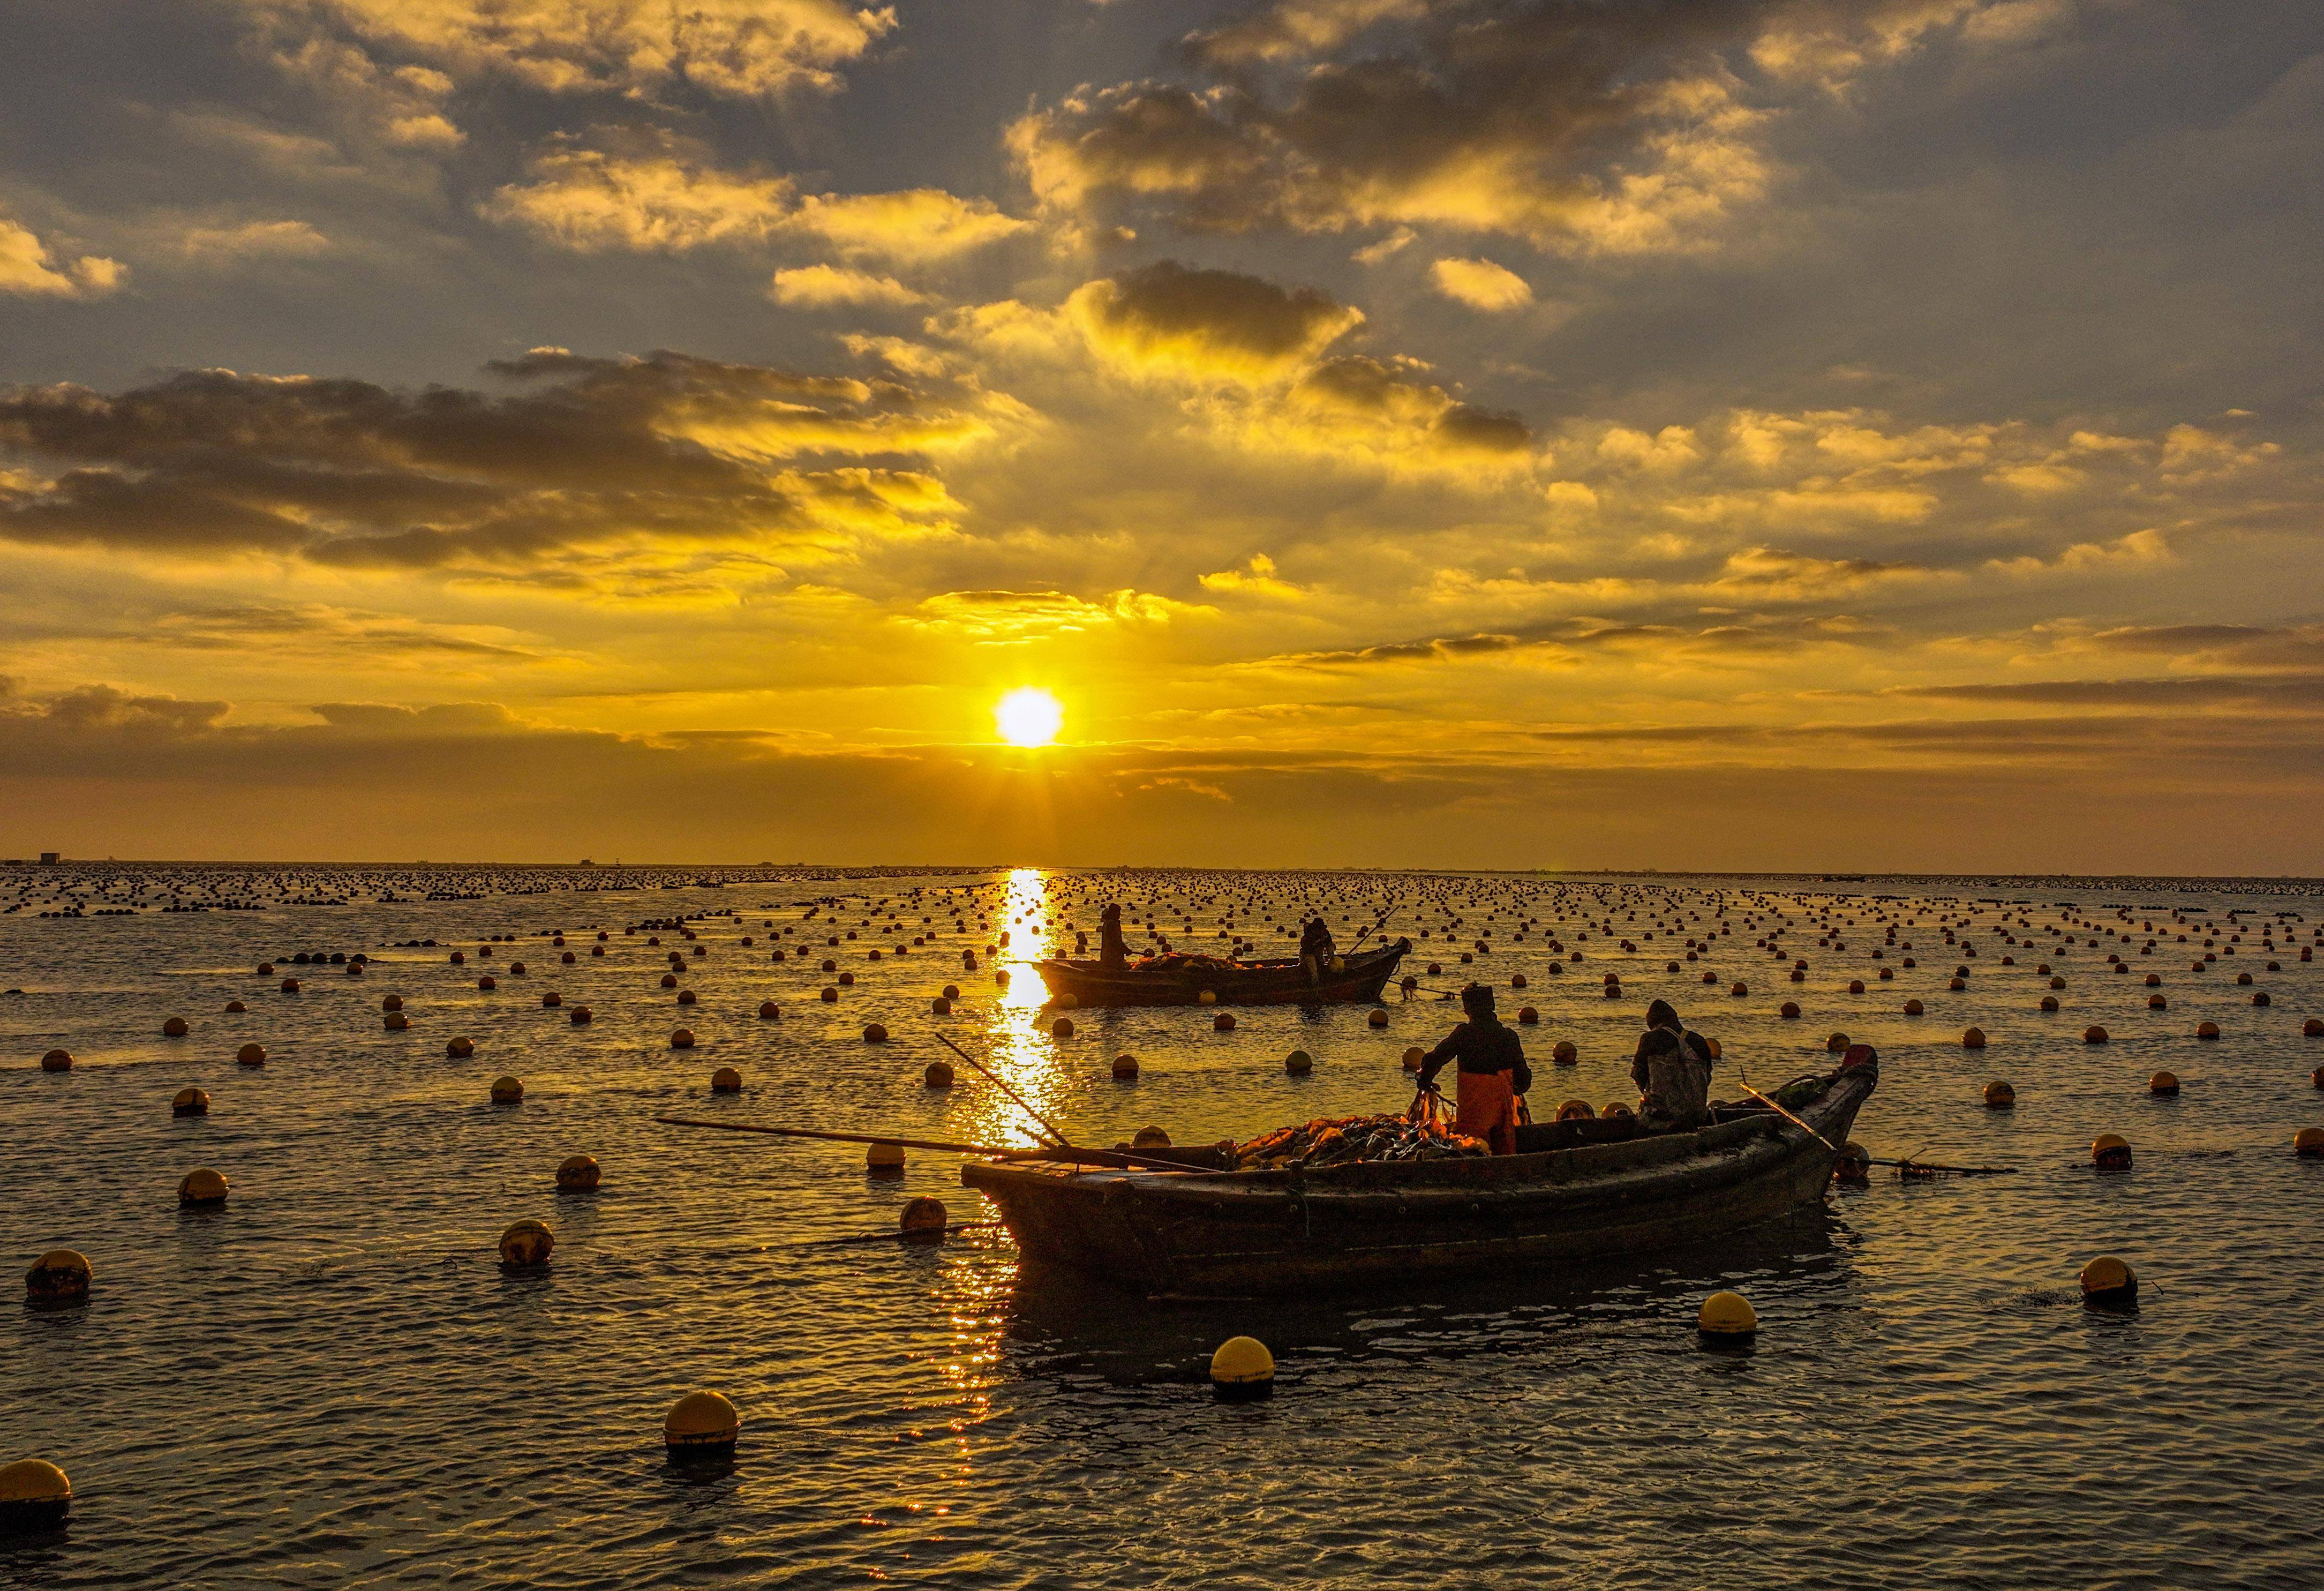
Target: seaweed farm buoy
{"points": [[726, 1080], [938, 1074], [2049, 1003], [236, 1008], [1855, 1166], [1378, 1019], [550, 999], [1527, 1015], [1414, 1058], [683, 1038], [1618, 1110], [2313, 1027], [1973, 1038], [175, 1028], [701, 1425], [2094, 1034], [874, 1033], [202, 1185], [578, 1173], [686, 997], [940, 1007], [1562, 1053], [459, 1048], [1575, 1110], [1299, 1063], [1789, 1010], [2110, 1153], [768, 1011], [34, 1496], [525, 1246], [1223, 1022], [2110, 1283], [1726, 1316], [488, 983], [251, 1055], [507, 1090], [190, 1102], [2163, 1083], [1150, 1138], [2157, 1002], [1063, 1028], [396, 1021], [830, 996], [923, 1217], [1125, 1067], [2000, 1096], [1855, 985], [2317, 1077], [580, 1015], [885, 1159], [1913, 1008], [2308, 1144], [1836, 1045], [2260, 998], [1241, 1369], [61, 1276]]}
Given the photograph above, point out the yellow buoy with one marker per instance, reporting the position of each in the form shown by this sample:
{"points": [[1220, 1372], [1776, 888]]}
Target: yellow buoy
{"points": [[525, 1245], [1414, 1058], [251, 1055], [701, 1425], [2166, 1083], [202, 1185], [61, 1276], [1242, 1369], [1067, 1002], [885, 1158], [683, 1038], [1836, 1045], [923, 1217], [1727, 1315], [175, 1028], [507, 1090], [2110, 1153], [1575, 1110], [460, 1049], [1562, 1053], [726, 1080], [1378, 1019], [56, 1060], [1207, 997], [2308, 1144], [189, 1102], [2107, 1281], [1299, 1063], [34, 1496], [1125, 1067], [1150, 1138], [578, 1173], [1999, 1095]]}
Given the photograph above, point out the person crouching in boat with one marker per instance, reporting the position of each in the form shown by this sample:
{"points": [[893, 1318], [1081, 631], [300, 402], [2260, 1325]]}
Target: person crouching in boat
{"points": [[1316, 949], [1112, 951], [1672, 1071], [1492, 1073]]}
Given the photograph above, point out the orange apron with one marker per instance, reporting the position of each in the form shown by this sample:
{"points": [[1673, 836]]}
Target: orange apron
{"points": [[1487, 1108]]}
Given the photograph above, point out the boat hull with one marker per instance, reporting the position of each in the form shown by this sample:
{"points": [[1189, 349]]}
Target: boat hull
{"points": [[1361, 982], [1247, 1234]]}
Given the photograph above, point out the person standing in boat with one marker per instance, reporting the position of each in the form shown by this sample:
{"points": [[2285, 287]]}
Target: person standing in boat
{"points": [[1112, 952], [1492, 1076], [1316, 948], [1672, 1071]]}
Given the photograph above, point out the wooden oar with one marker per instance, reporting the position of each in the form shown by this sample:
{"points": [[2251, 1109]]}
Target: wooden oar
{"points": [[1924, 1166], [1064, 1154], [1060, 1139], [1788, 1116]]}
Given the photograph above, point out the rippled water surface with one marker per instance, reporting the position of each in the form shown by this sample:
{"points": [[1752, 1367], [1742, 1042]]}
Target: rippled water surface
{"points": [[328, 1382]]}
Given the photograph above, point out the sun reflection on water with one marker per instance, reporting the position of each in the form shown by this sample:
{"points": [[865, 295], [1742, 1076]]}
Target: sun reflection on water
{"points": [[1016, 1035]]}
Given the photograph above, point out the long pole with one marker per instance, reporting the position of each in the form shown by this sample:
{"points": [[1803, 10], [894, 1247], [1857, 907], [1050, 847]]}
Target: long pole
{"points": [[1059, 1140], [1788, 1116], [1067, 1154]]}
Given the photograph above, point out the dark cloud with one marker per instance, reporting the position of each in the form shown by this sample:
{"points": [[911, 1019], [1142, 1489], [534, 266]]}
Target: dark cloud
{"points": [[587, 453], [1207, 322]]}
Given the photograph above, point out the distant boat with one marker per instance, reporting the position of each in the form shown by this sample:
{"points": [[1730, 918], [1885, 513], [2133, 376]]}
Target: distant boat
{"points": [[1183, 980], [1576, 1191]]}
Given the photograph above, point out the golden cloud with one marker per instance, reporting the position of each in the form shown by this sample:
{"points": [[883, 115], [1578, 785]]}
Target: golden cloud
{"points": [[28, 270], [1481, 284]]}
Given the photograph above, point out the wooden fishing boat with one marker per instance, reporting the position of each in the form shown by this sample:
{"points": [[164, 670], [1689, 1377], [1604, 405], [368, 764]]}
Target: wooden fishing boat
{"points": [[1574, 1191], [1356, 979]]}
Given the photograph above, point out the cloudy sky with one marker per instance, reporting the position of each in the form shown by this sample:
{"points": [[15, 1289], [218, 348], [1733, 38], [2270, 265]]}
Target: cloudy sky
{"points": [[1704, 433]]}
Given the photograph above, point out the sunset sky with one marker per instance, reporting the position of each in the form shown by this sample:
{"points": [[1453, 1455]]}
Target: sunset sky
{"points": [[1701, 434]]}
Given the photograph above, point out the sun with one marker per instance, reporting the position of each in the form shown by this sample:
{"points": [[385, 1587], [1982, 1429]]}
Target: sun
{"points": [[1028, 716]]}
